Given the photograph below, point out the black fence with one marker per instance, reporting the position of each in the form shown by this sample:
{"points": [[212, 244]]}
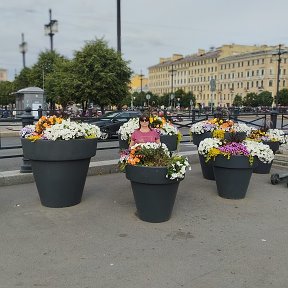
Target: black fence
{"points": [[182, 121]]}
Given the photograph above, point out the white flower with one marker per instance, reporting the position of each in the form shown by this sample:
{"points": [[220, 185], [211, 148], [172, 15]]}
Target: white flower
{"points": [[207, 144], [260, 150], [276, 135], [168, 129], [128, 128], [202, 127], [242, 127], [71, 130]]}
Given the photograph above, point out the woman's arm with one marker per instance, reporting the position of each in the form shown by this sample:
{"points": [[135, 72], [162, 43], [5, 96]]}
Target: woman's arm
{"points": [[132, 142]]}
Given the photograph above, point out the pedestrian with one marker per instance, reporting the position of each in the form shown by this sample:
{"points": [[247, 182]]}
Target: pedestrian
{"points": [[144, 133]]}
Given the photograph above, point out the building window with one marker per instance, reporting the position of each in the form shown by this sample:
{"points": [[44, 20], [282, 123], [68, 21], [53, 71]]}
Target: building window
{"points": [[270, 83]]}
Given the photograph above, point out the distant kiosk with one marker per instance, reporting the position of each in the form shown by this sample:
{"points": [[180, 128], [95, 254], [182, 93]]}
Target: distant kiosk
{"points": [[30, 97]]}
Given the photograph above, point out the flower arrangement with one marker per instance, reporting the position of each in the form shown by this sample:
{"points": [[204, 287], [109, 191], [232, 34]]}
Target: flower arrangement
{"points": [[154, 155], [55, 128], [157, 122], [202, 127], [128, 128], [210, 148], [273, 135]]}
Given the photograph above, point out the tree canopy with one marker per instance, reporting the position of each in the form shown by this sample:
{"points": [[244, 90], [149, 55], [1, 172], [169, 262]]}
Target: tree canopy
{"points": [[103, 76]]}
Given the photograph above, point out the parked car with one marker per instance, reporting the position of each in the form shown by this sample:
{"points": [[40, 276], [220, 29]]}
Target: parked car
{"points": [[110, 122]]}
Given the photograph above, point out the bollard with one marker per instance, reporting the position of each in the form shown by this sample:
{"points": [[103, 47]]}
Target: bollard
{"points": [[273, 118], [193, 115], [276, 178], [40, 112], [236, 113], [27, 119]]}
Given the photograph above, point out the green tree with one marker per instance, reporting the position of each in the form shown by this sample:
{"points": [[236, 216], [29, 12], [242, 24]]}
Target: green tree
{"points": [[23, 80], [283, 97], [265, 98], [6, 93], [62, 83], [103, 75], [250, 100], [237, 102], [186, 98]]}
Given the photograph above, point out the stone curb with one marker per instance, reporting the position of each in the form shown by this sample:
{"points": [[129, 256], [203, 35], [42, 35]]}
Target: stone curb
{"points": [[8, 178]]}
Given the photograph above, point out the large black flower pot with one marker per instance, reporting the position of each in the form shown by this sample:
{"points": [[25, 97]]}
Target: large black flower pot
{"points": [[274, 146], [123, 144], [197, 138], [170, 141], [232, 176], [154, 194], [262, 168], [207, 168], [60, 168]]}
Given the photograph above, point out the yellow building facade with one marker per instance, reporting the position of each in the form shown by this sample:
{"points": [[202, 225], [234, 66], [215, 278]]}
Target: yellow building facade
{"points": [[235, 69], [139, 83]]}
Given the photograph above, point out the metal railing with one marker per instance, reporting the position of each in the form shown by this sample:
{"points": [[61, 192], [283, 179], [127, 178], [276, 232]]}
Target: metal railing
{"points": [[181, 121]]}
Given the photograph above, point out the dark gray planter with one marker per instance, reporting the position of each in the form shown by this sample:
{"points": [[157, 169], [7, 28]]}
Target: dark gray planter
{"points": [[197, 138], [154, 194], [274, 146], [170, 141], [262, 168], [206, 168], [232, 176], [60, 168], [123, 144]]}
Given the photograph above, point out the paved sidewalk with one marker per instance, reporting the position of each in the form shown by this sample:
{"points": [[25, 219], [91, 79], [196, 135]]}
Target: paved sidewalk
{"points": [[9, 129], [209, 241]]}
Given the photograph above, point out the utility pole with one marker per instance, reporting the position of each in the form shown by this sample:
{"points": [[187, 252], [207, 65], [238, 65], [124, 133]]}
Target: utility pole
{"points": [[119, 26], [23, 49], [51, 28]]}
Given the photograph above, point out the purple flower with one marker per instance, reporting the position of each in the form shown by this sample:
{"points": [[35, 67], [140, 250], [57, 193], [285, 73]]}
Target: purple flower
{"points": [[234, 148]]}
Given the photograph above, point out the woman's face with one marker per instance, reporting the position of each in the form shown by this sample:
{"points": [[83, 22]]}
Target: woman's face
{"points": [[144, 121]]}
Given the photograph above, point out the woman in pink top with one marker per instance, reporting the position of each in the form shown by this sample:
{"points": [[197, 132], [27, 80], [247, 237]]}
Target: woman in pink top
{"points": [[145, 133]]}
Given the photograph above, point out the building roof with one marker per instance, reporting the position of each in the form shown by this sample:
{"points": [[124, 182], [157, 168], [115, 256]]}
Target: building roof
{"points": [[189, 58], [31, 90]]}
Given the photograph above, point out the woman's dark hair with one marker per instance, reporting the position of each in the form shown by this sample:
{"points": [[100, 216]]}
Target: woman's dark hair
{"points": [[145, 116]]}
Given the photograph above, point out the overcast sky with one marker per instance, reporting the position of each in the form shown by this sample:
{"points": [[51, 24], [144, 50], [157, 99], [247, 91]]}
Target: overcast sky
{"points": [[150, 28]]}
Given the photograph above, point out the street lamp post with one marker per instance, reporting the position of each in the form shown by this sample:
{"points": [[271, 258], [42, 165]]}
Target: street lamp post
{"points": [[172, 76], [23, 49], [141, 81], [51, 28], [119, 26], [279, 53]]}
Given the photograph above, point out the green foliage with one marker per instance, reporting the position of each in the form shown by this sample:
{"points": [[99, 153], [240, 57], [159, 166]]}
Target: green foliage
{"points": [[265, 98], [23, 79], [103, 75], [283, 97], [186, 98], [61, 83], [6, 90], [250, 100], [237, 102]]}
